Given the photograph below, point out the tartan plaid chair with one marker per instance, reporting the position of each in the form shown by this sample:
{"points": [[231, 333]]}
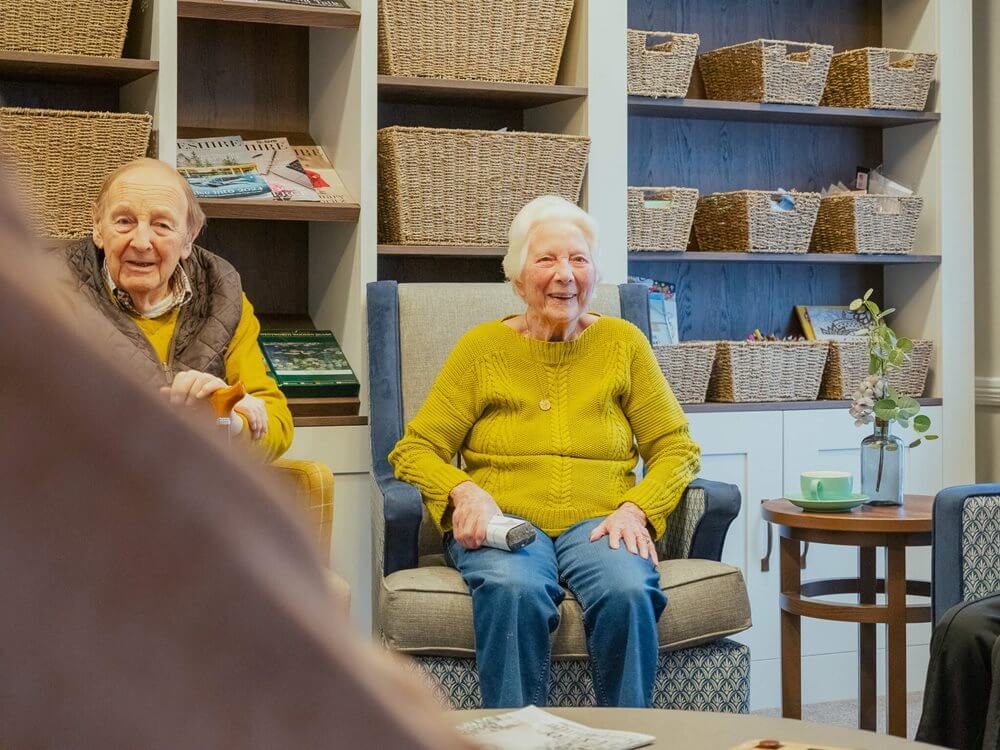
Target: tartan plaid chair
{"points": [[423, 607]]}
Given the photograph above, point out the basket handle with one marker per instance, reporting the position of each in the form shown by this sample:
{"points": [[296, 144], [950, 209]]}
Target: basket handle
{"points": [[784, 202], [888, 205], [657, 204], [667, 39], [898, 59], [791, 48]]}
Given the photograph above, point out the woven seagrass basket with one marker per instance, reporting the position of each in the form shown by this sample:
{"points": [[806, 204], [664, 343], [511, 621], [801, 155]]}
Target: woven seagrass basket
{"points": [[847, 366], [766, 71], [440, 186], [855, 223], [667, 227], [687, 366], [880, 78], [516, 41], [748, 221], [81, 27], [59, 158], [754, 371], [663, 69]]}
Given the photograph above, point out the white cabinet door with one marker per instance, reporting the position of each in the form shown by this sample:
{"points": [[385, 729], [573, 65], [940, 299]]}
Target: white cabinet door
{"points": [[745, 449]]}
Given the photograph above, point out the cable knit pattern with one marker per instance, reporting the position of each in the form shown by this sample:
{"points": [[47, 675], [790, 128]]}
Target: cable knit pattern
{"points": [[607, 404]]}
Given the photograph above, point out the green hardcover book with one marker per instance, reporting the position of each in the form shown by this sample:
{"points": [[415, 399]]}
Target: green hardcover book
{"points": [[308, 364]]}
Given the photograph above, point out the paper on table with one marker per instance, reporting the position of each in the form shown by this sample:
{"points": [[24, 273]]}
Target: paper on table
{"points": [[532, 728]]}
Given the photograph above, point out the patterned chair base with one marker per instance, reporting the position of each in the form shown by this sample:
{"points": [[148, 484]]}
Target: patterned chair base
{"points": [[713, 677]]}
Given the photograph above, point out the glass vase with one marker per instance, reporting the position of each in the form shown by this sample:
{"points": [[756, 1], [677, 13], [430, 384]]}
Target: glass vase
{"points": [[882, 459]]}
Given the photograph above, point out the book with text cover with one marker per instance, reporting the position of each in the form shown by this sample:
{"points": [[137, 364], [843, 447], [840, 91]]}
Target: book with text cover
{"points": [[281, 169], [324, 177], [308, 364], [220, 168]]}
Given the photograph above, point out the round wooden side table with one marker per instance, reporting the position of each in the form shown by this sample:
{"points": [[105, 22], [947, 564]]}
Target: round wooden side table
{"points": [[893, 527]]}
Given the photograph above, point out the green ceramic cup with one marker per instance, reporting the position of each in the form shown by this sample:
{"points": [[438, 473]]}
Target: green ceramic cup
{"points": [[826, 485]]}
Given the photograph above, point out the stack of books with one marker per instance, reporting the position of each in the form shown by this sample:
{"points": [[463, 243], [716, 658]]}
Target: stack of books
{"points": [[264, 169], [308, 364]]}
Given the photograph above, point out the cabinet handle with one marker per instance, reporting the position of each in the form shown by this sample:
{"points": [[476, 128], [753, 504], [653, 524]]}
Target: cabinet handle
{"points": [[765, 561]]}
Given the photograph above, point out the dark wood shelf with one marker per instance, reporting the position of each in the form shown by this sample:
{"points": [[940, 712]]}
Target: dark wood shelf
{"points": [[710, 109], [326, 412], [36, 66], [227, 208], [287, 14], [456, 251], [784, 406], [295, 137], [817, 258], [441, 91]]}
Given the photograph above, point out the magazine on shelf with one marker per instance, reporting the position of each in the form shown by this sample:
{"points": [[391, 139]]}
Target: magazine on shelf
{"points": [[532, 728], [220, 168], [324, 177], [308, 364], [830, 323], [281, 169], [662, 310]]}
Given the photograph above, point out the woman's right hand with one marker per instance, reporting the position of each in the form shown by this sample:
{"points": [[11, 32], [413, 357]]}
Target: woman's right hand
{"points": [[474, 507]]}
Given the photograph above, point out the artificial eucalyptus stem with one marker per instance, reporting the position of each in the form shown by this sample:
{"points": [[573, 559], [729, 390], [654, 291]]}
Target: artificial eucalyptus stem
{"points": [[882, 427]]}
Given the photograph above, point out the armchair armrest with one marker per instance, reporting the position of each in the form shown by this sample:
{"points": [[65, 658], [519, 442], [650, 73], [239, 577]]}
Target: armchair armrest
{"points": [[312, 484], [698, 526], [965, 546], [396, 516]]}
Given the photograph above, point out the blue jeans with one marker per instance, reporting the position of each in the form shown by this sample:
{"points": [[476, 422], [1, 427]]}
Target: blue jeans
{"points": [[515, 609]]}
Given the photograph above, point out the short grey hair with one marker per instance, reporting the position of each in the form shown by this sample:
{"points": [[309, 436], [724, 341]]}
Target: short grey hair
{"points": [[535, 212]]}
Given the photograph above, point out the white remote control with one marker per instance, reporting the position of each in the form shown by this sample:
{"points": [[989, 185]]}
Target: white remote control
{"points": [[509, 534]]}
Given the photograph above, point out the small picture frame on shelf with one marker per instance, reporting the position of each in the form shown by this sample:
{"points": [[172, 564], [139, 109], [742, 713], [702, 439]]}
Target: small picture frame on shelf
{"points": [[830, 322]]}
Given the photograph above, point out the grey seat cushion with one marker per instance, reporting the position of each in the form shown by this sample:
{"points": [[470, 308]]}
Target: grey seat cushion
{"points": [[428, 610]]}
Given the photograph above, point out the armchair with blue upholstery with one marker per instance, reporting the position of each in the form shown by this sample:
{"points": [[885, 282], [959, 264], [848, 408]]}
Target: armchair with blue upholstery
{"points": [[966, 546], [423, 607]]}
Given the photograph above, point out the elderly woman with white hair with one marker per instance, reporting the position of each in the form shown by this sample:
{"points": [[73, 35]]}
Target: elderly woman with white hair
{"points": [[551, 409]]}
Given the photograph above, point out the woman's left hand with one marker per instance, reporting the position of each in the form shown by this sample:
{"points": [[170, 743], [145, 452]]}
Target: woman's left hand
{"points": [[628, 524], [255, 411]]}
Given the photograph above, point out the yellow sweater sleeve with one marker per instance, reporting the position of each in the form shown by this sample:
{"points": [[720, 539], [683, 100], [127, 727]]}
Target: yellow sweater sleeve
{"points": [[422, 456], [245, 362], [672, 459]]}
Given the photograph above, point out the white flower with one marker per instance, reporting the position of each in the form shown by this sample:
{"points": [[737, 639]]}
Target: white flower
{"points": [[871, 389]]}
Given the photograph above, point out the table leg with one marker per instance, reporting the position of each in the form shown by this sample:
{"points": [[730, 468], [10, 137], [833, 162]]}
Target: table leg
{"points": [[895, 582], [867, 662], [791, 634]]}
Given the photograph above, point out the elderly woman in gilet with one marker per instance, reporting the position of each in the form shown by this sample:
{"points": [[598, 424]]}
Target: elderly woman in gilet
{"points": [[548, 408], [186, 324]]}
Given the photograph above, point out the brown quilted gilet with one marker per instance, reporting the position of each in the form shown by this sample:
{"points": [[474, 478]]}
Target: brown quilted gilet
{"points": [[205, 325]]}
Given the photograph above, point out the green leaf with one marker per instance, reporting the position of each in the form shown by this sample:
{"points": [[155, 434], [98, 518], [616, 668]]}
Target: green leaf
{"points": [[892, 393], [903, 421], [855, 305], [873, 365], [872, 308], [886, 415], [885, 403], [868, 294], [908, 402], [921, 423], [930, 437], [905, 345], [915, 443], [886, 313], [896, 358]]}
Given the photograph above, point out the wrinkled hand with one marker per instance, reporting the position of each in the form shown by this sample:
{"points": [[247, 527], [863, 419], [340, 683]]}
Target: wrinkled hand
{"points": [[628, 524], [255, 411], [191, 386], [474, 507]]}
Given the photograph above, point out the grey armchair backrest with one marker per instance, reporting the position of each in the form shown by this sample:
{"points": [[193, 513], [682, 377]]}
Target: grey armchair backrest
{"points": [[411, 330], [966, 545]]}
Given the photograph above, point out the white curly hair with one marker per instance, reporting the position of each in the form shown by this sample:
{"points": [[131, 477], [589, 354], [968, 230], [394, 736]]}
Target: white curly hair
{"points": [[538, 211]]}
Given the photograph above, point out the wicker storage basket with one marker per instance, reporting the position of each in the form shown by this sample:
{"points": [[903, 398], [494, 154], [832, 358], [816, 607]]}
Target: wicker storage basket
{"points": [[462, 187], [59, 158], [663, 69], [765, 71], [81, 27], [855, 223], [517, 41], [879, 78], [660, 227], [687, 366], [747, 221], [847, 366], [752, 371]]}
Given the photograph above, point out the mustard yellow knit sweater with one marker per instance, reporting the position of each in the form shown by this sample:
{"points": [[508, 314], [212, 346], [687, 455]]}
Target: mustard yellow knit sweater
{"points": [[550, 429]]}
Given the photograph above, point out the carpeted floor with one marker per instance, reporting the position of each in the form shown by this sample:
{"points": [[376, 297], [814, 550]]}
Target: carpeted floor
{"points": [[845, 713]]}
